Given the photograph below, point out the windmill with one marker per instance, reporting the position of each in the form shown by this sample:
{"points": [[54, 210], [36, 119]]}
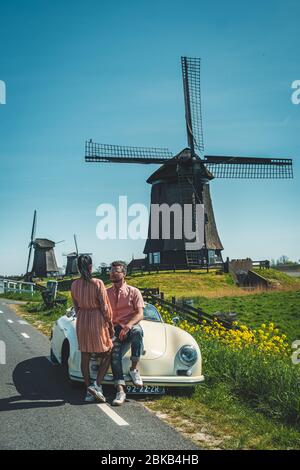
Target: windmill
{"points": [[185, 177], [71, 267], [44, 261]]}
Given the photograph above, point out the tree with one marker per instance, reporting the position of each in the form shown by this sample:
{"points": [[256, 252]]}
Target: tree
{"points": [[283, 260]]}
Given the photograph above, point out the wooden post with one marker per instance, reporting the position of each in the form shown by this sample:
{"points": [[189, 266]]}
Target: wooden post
{"points": [[199, 315], [162, 296]]}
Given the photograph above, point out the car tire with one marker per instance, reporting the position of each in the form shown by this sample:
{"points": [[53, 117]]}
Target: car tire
{"points": [[65, 352], [52, 357]]}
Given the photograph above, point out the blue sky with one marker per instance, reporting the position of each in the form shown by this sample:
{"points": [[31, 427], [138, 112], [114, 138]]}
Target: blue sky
{"points": [[110, 71]]}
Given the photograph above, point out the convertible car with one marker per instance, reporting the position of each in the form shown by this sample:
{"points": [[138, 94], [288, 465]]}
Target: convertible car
{"points": [[171, 356]]}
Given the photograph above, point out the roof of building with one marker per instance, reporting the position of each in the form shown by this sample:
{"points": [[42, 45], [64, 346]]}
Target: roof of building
{"points": [[44, 243]]}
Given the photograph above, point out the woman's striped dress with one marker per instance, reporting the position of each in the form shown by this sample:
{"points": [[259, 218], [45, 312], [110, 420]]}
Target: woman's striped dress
{"points": [[93, 315]]}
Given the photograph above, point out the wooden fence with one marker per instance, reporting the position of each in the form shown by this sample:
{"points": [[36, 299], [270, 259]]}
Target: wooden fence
{"points": [[185, 310], [21, 287]]}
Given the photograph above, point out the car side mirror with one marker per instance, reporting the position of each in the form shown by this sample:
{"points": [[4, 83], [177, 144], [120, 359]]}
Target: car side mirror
{"points": [[175, 320]]}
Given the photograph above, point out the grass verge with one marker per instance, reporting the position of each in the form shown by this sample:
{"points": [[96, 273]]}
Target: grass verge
{"points": [[215, 419]]}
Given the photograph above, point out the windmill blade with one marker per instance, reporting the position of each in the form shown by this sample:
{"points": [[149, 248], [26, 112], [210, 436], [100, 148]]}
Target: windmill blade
{"points": [[76, 246], [61, 241], [249, 167], [29, 258], [192, 99], [122, 154], [33, 227], [32, 237]]}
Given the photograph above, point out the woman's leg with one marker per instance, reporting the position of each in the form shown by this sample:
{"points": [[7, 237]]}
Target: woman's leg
{"points": [[104, 364], [85, 368]]}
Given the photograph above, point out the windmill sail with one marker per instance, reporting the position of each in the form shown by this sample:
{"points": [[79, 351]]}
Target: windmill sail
{"points": [[124, 154], [249, 167], [76, 246], [192, 99], [31, 241]]}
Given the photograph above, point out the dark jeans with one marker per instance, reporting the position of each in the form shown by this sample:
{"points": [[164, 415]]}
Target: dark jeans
{"points": [[134, 338]]}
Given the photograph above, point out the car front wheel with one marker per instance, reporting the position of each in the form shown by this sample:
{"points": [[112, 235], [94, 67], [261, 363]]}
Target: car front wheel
{"points": [[65, 352], [52, 357]]}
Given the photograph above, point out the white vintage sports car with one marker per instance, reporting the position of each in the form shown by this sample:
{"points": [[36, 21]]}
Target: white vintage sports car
{"points": [[171, 356]]}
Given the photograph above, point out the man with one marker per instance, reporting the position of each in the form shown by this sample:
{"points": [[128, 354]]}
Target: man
{"points": [[127, 306]]}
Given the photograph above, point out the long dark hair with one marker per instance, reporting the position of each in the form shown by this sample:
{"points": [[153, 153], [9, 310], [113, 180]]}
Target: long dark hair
{"points": [[84, 262]]}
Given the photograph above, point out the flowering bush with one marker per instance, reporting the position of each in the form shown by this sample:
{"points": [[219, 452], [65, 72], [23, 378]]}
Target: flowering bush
{"points": [[266, 339]]}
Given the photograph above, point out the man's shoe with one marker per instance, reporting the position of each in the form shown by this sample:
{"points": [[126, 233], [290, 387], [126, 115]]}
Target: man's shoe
{"points": [[97, 392], [120, 399], [89, 398], [136, 378]]}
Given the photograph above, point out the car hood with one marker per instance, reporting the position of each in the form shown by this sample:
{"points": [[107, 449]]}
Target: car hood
{"points": [[155, 339]]}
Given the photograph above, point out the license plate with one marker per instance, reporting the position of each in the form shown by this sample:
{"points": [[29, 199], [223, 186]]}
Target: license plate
{"points": [[146, 389]]}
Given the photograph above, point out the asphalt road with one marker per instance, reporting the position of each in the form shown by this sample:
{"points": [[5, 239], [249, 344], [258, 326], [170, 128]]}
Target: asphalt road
{"points": [[40, 410]]}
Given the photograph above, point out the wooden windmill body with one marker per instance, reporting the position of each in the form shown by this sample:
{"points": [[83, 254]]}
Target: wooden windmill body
{"points": [[44, 261], [71, 266]]}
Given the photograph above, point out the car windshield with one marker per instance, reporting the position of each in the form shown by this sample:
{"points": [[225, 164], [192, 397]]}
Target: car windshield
{"points": [[151, 313]]}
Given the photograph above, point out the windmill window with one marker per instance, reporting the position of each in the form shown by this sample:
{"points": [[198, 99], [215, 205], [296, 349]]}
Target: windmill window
{"points": [[211, 256], [156, 257]]}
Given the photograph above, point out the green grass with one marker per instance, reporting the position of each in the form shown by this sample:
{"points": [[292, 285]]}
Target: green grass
{"points": [[229, 423], [279, 278], [40, 316], [282, 308], [270, 384], [184, 283], [22, 296]]}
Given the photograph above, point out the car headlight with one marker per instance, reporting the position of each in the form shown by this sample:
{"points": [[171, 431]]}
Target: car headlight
{"points": [[188, 355]]}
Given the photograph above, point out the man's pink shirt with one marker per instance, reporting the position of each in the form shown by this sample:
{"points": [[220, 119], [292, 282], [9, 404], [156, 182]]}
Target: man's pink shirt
{"points": [[124, 303]]}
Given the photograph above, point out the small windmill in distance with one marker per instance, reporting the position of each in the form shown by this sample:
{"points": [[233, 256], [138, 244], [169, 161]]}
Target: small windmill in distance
{"points": [[44, 261], [71, 267]]}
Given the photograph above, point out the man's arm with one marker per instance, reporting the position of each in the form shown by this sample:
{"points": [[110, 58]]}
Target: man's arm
{"points": [[137, 317]]}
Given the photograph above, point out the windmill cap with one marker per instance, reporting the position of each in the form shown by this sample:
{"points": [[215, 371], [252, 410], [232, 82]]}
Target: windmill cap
{"points": [[44, 243]]}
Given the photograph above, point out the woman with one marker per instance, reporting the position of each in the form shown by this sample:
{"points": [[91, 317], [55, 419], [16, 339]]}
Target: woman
{"points": [[93, 326]]}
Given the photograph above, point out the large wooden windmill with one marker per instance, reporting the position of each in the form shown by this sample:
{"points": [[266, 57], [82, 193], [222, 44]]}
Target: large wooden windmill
{"points": [[184, 178]]}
